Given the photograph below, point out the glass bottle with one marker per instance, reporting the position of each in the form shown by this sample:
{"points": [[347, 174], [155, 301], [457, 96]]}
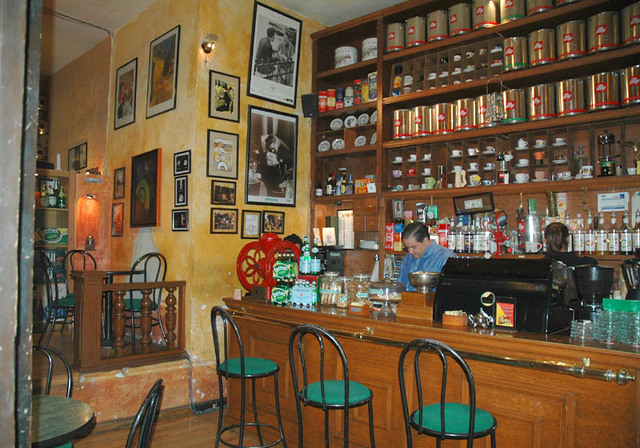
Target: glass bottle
{"points": [[578, 236], [635, 234], [62, 198], [626, 237], [590, 236], [43, 195], [614, 236], [478, 237], [316, 263], [319, 190], [350, 188], [451, 237], [468, 237], [328, 188], [459, 236], [601, 237], [305, 257], [520, 220]]}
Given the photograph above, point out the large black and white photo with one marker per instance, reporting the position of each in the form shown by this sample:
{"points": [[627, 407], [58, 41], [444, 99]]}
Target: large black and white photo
{"points": [[271, 158], [275, 54]]}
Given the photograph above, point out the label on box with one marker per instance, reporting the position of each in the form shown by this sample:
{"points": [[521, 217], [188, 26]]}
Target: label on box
{"points": [[388, 236]]}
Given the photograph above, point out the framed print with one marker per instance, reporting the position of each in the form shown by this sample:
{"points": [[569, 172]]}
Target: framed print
{"points": [[275, 54], [224, 220], [163, 73], [271, 158], [77, 157], [473, 203], [145, 189], [272, 222], [180, 220], [224, 96], [126, 87], [223, 193], [118, 183], [117, 219], [222, 154], [251, 221], [182, 163], [180, 191]]}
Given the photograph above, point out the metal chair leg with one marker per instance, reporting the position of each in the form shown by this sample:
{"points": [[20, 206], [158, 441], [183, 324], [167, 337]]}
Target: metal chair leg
{"points": [[275, 380], [220, 414], [255, 410], [371, 429], [493, 439], [326, 428]]}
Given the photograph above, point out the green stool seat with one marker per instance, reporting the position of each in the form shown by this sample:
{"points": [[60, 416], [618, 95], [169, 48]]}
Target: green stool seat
{"points": [[69, 300], [456, 417], [252, 367], [334, 392]]}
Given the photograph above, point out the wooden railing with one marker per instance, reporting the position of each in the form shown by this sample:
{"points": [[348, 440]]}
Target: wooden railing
{"points": [[87, 345]]}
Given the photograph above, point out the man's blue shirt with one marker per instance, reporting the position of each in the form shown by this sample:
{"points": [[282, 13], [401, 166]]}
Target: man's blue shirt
{"points": [[433, 260]]}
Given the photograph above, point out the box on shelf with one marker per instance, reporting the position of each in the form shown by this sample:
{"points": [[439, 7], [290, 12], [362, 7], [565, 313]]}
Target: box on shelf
{"points": [[52, 235]]}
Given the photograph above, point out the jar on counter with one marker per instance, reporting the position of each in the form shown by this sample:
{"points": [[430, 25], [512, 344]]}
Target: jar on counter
{"points": [[359, 288], [343, 298], [384, 295], [330, 289]]}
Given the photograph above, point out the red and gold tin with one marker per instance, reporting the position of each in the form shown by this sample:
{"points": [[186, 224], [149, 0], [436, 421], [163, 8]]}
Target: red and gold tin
{"points": [[465, 114], [542, 102], [603, 91], [511, 10], [630, 18], [515, 106], [443, 118], [401, 124], [416, 31], [542, 46], [421, 116], [437, 27], [459, 19], [322, 101], [603, 32], [570, 97], [515, 53], [485, 14], [395, 37], [571, 39], [630, 85], [538, 6]]}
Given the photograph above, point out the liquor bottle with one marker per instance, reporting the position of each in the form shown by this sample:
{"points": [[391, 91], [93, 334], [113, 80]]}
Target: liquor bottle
{"points": [[626, 237], [337, 184], [459, 236], [43, 196], [468, 237], [614, 236], [350, 188], [319, 189], [503, 171], [635, 234], [520, 221], [52, 197], [328, 188], [343, 181], [316, 262], [601, 236], [305, 257], [62, 198], [478, 240], [453, 230], [578, 236], [567, 222], [590, 236]]}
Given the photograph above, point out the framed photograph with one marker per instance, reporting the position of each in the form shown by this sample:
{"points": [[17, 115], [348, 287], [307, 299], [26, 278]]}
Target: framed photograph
{"points": [[224, 220], [224, 96], [275, 54], [125, 101], [223, 193], [251, 221], [180, 220], [271, 158], [222, 154], [180, 191], [182, 163], [473, 203], [117, 219], [145, 189], [163, 73], [118, 183], [77, 157], [272, 222]]}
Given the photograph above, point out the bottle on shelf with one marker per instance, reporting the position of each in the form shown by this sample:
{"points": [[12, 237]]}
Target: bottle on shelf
{"points": [[578, 236], [328, 188], [316, 262], [478, 237], [460, 236], [590, 236], [451, 237], [626, 237], [602, 245], [305, 257], [350, 187], [468, 237], [567, 222], [43, 196], [319, 190], [520, 222], [614, 236], [62, 198], [635, 234]]}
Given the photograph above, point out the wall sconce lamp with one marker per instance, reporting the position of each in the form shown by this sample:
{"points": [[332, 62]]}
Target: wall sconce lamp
{"points": [[208, 45], [88, 220]]}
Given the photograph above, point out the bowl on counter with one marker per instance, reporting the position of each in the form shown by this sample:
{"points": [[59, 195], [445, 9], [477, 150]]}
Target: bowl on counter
{"points": [[424, 281]]}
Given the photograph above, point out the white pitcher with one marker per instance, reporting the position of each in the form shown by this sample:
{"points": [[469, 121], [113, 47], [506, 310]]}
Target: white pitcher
{"points": [[460, 179]]}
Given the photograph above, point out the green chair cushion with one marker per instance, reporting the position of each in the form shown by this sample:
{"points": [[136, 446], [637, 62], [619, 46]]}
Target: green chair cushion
{"points": [[136, 305], [252, 366], [69, 300], [334, 392], [456, 417], [66, 445]]}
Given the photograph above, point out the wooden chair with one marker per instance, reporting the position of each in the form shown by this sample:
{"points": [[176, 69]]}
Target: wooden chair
{"points": [[444, 419], [50, 353], [146, 417], [326, 394]]}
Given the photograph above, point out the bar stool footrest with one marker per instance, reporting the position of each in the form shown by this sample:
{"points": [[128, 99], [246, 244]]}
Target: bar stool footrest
{"points": [[258, 425]]}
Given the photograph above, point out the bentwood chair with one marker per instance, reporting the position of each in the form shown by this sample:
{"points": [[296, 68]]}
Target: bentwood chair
{"points": [[44, 269], [154, 269], [74, 259], [325, 393], [145, 418], [52, 353], [242, 368], [444, 419]]}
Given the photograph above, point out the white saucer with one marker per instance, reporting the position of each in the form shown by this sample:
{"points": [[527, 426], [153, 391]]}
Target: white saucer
{"points": [[374, 117], [336, 124], [324, 146], [488, 152], [541, 180], [455, 157], [350, 122], [568, 178], [363, 119], [539, 146], [471, 170], [396, 163], [337, 144], [519, 165], [523, 182], [520, 148], [374, 139], [559, 162], [487, 168], [558, 144], [426, 159], [587, 177], [360, 140]]}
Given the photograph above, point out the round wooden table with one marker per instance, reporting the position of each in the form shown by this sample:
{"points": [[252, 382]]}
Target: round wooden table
{"points": [[56, 420]]}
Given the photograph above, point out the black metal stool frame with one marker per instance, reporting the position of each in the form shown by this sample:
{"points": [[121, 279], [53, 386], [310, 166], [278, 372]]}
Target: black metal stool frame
{"points": [[227, 321], [296, 342]]}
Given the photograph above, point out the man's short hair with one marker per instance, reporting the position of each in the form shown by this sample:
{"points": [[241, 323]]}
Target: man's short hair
{"points": [[557, 236], [415, 230]]}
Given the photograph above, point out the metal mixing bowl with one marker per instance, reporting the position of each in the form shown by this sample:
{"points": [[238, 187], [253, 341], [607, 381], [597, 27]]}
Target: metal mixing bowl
{"points": [[424, 281]]}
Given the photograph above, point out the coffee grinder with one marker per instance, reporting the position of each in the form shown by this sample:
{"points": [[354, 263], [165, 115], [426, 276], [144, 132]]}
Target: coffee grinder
{"points": [[606, 153], [593, 283], [631, 273]]}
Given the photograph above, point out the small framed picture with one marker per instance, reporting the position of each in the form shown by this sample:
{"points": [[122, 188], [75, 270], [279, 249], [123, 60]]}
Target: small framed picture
{"points": [[224, 220], [223, 193], [77, 157], [126, 82], [118, 183], [251, 224], [222, 154], [473, 203], [180, 220], [117, 219], [272, 222], [180, 191], [224, 96], [182, 163]]}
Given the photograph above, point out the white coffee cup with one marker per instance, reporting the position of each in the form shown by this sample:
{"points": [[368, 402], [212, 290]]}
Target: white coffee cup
{"points": [[522, 143], [560, 141], [397, 159], [523, 162], [587, 171], [522, 178], [472, 151], [457, 168], [490, 149], [456, 152], [412, 158], [539, 175], [541, 142], [426, 156], [490, 165], [564, 175], [427, 172], [474, 166], [532, 247]]}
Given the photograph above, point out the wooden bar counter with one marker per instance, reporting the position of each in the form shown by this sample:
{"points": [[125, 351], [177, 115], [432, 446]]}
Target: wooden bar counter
{"points": [[543, 390]]}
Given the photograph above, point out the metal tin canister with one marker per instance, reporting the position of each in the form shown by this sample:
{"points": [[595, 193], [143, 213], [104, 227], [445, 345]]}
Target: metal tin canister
{"points": [[571, 39], [565, 2], [369, 48], [542, 46], [485, 14], [603, 91], [372, 79], [443, 118], [630, 18], [465, 114], [630, 85], [542, 102], [421, 126], [515, 53], [482, 112], [515, 106], [401, 124], [395, 36], [459, 19], [603, 31], [437, 25], [570, 97], [345, 56], [537, 6], [416, 31], [322, 101], [511, 10]]}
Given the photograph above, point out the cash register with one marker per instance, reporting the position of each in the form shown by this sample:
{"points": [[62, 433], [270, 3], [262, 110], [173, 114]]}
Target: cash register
{"points": [[520, 295]]}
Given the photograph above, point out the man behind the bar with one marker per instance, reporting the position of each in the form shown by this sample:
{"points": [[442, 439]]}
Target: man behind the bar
{"points": [[424, 255]]}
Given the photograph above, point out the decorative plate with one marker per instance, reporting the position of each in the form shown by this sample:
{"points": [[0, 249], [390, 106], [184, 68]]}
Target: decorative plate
{"points": [[350, 121], [324, 146], [337, 144], [361, 140], [374, 139], [336, 124], [374, 117], [363, 119]]}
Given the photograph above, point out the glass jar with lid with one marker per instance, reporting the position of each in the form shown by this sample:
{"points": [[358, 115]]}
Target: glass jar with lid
{"points": [[330, 289], [384, 295], [359, 288], [343, 298]]}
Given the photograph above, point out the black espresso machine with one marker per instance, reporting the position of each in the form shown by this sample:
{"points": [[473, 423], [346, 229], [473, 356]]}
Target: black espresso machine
{"points": [[531, 290]]}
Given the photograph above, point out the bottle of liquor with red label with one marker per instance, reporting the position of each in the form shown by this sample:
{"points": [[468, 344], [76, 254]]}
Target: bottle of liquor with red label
{"points": [[520, 221]]}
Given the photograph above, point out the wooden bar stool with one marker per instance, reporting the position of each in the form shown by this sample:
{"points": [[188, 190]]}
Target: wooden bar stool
{"points": [[326, 394], [443, 420], [242, 368]]}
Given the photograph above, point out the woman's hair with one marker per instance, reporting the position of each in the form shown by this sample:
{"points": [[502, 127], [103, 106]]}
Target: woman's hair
{"points": [[557, 236], [415, 230]]}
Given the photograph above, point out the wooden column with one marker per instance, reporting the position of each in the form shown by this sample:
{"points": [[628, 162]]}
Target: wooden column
{"points": [[170, 318], [87, 330], [145, 322], [118, 322]]}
